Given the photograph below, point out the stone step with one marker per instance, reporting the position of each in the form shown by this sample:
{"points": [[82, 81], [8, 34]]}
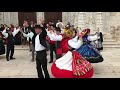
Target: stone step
{"points": [[111, 43], [107, 46], [109, 40], [21, 48], [111, 46]]}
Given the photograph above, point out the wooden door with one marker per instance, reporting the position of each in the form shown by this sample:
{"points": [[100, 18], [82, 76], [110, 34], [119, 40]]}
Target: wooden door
{"points": [[52, 16], [29, 16]]}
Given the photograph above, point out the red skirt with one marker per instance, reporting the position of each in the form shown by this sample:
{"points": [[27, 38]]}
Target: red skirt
{"points": [[58, 73]]}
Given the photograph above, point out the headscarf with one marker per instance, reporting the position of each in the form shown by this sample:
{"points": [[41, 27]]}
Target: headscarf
{"points": [[68, 33], [85, 32]]}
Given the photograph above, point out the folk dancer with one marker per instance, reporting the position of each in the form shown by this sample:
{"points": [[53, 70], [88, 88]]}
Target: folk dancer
{"points": [[72, 64], [10, 41]]}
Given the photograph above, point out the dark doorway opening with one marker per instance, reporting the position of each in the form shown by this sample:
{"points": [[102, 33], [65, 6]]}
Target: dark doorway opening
{"points": [[29, 16], [53, 16]]}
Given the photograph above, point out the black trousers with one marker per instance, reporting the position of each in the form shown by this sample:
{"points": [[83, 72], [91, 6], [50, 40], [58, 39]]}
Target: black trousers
{"points": [[41, 63], [58, 56], [10, 48], [52, 49]]}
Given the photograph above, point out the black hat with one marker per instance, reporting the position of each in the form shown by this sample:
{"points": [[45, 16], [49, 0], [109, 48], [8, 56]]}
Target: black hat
{"points": [[38, 26], [29, 28], [8, 29], [53, 25], [58, 29]]}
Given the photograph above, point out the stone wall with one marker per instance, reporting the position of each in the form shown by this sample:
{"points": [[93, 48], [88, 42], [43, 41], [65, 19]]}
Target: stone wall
{"points": [[12, 17], [9, 18], [40, 15], [92, 20], [69, 17]]}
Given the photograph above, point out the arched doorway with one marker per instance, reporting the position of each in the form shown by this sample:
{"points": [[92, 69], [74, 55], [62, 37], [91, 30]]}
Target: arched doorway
{"points": [[52, 16], [29, 16]]}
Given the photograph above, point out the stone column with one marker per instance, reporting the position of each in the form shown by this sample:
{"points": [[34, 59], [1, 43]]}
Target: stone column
{"points": [[73, 16], [76, 19], [99, 21], [64, 17], [106, 25], [10, 18], [6, 17], [14, 18], [81, 21], [1, 18], [40, 15], [68, 17]]}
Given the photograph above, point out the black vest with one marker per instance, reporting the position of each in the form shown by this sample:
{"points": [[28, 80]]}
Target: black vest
{"points": [[57, 44], [11, 40], [42, 41]]}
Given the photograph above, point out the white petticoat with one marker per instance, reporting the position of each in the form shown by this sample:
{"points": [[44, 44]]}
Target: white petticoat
{"points": [[65, 62]]}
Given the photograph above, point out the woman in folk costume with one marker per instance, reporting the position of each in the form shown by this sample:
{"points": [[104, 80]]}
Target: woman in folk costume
{"points": [[87, 50], [61, 41], [72, 64], [98, 43], [51, 42], [2, 42]]}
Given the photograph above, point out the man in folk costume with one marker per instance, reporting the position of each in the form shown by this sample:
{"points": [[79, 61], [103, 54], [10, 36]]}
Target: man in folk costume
{"points": [[2, 27], [10, 41], [30, 36], [51, 43], [2, 42], [72, 64], [39, 40], [44, 32], [25, 30], [61, 41], [60, 24]]}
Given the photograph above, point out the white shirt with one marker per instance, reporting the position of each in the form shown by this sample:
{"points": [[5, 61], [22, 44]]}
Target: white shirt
{"points": [[29, 35], [75, 43], [62, 30], [54, 36], [14, 32], [93, 38], [38, 46], [59, 23]]}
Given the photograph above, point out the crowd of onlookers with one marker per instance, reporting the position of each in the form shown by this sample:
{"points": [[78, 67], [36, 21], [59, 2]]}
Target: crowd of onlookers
{"points": [[27, 26]]}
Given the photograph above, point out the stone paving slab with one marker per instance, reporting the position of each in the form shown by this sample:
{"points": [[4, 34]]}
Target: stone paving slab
{"points": [[22, 67]]}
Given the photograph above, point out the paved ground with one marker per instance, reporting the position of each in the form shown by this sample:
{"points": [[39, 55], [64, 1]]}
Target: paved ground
{"points": [[22, 67]]}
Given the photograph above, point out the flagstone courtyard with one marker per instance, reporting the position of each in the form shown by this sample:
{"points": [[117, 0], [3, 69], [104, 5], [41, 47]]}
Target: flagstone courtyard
{"points": [[22, 67]]}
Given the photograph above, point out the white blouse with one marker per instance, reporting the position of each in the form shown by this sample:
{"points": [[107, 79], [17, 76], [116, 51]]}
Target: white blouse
{"points": [[93, 38], [14, 32]]}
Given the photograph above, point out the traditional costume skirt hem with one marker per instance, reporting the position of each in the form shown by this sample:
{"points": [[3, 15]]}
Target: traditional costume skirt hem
{"points": [[100, 48], [2, 51], [61, 73], [94, 59]]}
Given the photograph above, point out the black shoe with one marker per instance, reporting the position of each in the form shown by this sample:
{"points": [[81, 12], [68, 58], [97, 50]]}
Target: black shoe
{"points": [[7, 59], [50, 61], [12, 58], [32, 60]]}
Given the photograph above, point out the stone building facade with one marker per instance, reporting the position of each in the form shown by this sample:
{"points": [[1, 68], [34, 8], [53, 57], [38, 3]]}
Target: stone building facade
{"points": [[106, 21]]}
